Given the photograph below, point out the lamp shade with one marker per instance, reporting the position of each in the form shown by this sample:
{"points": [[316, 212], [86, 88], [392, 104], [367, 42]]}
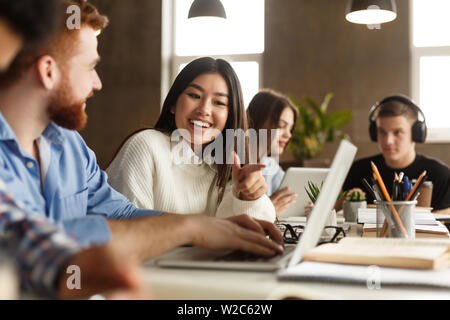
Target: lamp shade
{"points": [[371, 11], [207, 8]]}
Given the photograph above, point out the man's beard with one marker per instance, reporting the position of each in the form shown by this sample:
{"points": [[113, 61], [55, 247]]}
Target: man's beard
{"points": [[66, 113]]}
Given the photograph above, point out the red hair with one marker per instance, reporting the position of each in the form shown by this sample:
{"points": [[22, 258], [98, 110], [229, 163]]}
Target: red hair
{"points": [[60, 46]]}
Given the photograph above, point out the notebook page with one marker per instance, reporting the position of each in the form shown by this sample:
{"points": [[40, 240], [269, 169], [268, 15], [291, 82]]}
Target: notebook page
{"points": [[366, 275]]}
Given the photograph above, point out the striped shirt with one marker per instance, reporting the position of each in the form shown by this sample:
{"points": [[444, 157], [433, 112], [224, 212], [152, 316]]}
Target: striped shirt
{"points": [[40, 250]]}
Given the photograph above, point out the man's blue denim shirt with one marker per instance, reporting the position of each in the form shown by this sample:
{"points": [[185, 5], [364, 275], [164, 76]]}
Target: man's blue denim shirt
{"points": [[75, 194]]}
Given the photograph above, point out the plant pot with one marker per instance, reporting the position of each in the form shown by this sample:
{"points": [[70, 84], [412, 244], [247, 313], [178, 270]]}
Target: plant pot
{"points": [[351, 210]]}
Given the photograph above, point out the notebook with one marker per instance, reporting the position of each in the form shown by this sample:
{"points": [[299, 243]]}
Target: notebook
{"points": [[422, 231], [422, 217], [297, 179], [201, 258]]}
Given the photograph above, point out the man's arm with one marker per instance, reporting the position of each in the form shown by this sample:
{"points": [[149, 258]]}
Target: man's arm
{"points": [[42, 254], [37, 246], [149, 237], [443, 211], [147, 234]]}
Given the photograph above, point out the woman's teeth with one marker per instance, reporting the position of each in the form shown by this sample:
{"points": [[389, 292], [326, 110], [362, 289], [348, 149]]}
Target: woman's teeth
{"points": [[200, 124]]}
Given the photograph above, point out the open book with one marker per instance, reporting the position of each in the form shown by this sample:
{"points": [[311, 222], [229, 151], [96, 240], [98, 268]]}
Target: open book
{"points": [[387, 252]]}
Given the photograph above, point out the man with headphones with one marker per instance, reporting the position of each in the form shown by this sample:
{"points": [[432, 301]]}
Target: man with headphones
{"points": [[395, 126]]}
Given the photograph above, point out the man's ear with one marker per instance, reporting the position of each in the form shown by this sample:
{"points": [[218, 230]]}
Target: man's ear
{"points": [[48, 72]]}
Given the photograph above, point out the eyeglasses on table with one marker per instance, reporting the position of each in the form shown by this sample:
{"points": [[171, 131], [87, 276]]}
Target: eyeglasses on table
{"points": [[293, 233]]}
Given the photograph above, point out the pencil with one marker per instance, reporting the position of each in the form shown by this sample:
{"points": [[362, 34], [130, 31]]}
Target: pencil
{"points": [[416, 186], [369, 188], [388, 198]]}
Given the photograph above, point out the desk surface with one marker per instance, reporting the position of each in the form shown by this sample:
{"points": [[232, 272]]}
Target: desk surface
{"points": [[194, 284], [190, 284]]}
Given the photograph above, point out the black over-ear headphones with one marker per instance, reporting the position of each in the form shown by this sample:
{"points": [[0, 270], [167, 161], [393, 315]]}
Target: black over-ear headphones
{"points": [[419, 128]]}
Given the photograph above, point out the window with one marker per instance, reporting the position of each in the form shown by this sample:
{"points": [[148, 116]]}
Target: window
{"points": [[431, 64], [238, 39]]}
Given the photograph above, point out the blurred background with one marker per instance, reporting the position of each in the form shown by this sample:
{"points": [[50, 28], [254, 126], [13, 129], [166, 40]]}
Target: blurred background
{"points": [[299, 47]]}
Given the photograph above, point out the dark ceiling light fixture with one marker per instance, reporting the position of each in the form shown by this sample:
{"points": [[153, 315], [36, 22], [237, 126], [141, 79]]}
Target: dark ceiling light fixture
{"points": [[207, 8], [371, 12]]}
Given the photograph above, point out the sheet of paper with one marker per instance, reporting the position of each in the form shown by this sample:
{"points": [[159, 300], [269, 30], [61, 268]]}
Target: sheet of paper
{"points": [[368, 215], [439, 228], [368, 275]]}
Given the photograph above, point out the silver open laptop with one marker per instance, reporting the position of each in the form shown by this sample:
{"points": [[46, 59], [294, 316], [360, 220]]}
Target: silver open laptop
{"points": [[190, 257], [297, 179]]}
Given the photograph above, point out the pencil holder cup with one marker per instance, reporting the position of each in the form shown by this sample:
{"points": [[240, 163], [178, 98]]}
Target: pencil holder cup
{"points": [[399, 217]]}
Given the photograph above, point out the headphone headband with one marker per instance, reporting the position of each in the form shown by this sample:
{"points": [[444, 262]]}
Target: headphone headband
{"points": [[399, 98], [419, 129]]}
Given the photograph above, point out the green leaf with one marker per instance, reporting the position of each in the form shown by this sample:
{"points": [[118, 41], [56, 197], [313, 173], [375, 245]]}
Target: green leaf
{"points": [[326, 101], [316, 190], [341, 195], [315, 126], [338, 119], [310, 196]]}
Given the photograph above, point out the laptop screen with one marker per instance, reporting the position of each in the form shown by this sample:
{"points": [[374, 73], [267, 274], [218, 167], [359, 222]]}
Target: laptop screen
{"points": [[325, 203]]}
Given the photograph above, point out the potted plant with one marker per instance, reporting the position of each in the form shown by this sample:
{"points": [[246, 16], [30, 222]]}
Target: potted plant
{"points": [[354, 199], [313, 192], [316, 126]]}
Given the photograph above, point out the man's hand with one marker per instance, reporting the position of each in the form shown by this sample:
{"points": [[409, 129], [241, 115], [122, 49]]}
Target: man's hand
{"points": [[283, 199], [236, 233], [248, 181], [104, 272]]}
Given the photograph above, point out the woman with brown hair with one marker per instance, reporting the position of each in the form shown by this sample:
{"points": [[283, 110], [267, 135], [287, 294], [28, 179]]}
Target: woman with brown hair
{"points": [[185, 164], [277, 114]]}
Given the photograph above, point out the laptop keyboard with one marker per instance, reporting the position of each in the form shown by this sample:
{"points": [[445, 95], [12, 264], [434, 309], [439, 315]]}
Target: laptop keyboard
{"points": [[241, 256]]}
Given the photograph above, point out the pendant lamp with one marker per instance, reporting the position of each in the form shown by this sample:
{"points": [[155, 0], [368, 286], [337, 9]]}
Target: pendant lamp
{"points": [[207, 8], [371, 12]]}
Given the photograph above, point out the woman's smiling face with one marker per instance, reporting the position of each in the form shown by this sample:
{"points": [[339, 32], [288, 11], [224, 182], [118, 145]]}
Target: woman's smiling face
{"points": [[202, 109]]}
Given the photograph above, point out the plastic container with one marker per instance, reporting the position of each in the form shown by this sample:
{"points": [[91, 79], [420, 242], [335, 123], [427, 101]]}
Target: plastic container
{"points": [[392, 212]]}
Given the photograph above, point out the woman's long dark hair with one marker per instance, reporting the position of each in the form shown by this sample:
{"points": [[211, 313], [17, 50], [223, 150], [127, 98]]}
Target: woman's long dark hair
{"points": [[268, 105], [237, 118]]}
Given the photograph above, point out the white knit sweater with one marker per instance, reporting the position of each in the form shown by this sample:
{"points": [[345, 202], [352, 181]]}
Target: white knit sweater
{"points": [[148, 174]]}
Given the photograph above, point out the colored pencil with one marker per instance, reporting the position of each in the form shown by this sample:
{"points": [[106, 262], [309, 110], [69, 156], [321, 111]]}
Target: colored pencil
{"points": [[388, 198]]}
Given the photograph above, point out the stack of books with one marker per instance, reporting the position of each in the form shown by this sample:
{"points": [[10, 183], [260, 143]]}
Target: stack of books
{"points": [[422, 231], [388, 252], [426, 224]]}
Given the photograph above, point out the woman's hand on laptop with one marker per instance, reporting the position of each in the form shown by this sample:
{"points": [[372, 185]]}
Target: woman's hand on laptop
{"points": [[283, 199], [236, 233]]}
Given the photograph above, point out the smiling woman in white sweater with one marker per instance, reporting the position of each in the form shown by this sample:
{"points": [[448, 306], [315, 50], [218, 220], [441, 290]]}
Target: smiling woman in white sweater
{"points": [[158, 168]]}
